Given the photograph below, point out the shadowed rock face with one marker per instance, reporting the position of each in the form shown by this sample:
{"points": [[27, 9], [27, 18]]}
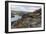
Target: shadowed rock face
{"points": [[30, 20]]}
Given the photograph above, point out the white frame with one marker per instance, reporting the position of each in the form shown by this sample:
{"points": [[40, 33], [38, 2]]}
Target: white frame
{"points": [[24, 29]]}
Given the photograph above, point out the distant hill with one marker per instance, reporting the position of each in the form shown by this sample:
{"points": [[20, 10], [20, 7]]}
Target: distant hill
{"points": [[18, 12]]}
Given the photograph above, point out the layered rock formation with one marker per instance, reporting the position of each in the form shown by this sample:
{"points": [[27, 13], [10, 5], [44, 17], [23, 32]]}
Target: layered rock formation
{"points": [[29, 20]]}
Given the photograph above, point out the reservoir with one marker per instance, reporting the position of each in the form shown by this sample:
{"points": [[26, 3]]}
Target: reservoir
{"points": [[15, 18]]}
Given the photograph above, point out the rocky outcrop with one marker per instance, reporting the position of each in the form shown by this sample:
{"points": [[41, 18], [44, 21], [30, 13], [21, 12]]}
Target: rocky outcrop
{"points": [[30, 20]]}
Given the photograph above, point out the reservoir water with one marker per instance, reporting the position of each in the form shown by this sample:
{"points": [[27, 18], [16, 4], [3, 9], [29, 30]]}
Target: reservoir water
{"points": [[15, 18]]}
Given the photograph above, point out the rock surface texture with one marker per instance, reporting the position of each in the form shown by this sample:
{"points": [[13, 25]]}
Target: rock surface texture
{"points": [[29, 20]]}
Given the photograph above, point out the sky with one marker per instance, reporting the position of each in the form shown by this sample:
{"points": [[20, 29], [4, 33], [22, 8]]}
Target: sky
{"points": [[25, 8]]}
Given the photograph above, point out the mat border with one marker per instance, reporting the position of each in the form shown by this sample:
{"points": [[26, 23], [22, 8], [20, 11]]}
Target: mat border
{"points": [[6, 16]]}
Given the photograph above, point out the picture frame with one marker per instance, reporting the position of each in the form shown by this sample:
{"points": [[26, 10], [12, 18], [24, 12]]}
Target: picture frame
{"points": [[8, 15]]}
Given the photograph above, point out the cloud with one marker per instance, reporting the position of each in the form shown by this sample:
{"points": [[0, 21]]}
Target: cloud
{"points": [[24, 8]]}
